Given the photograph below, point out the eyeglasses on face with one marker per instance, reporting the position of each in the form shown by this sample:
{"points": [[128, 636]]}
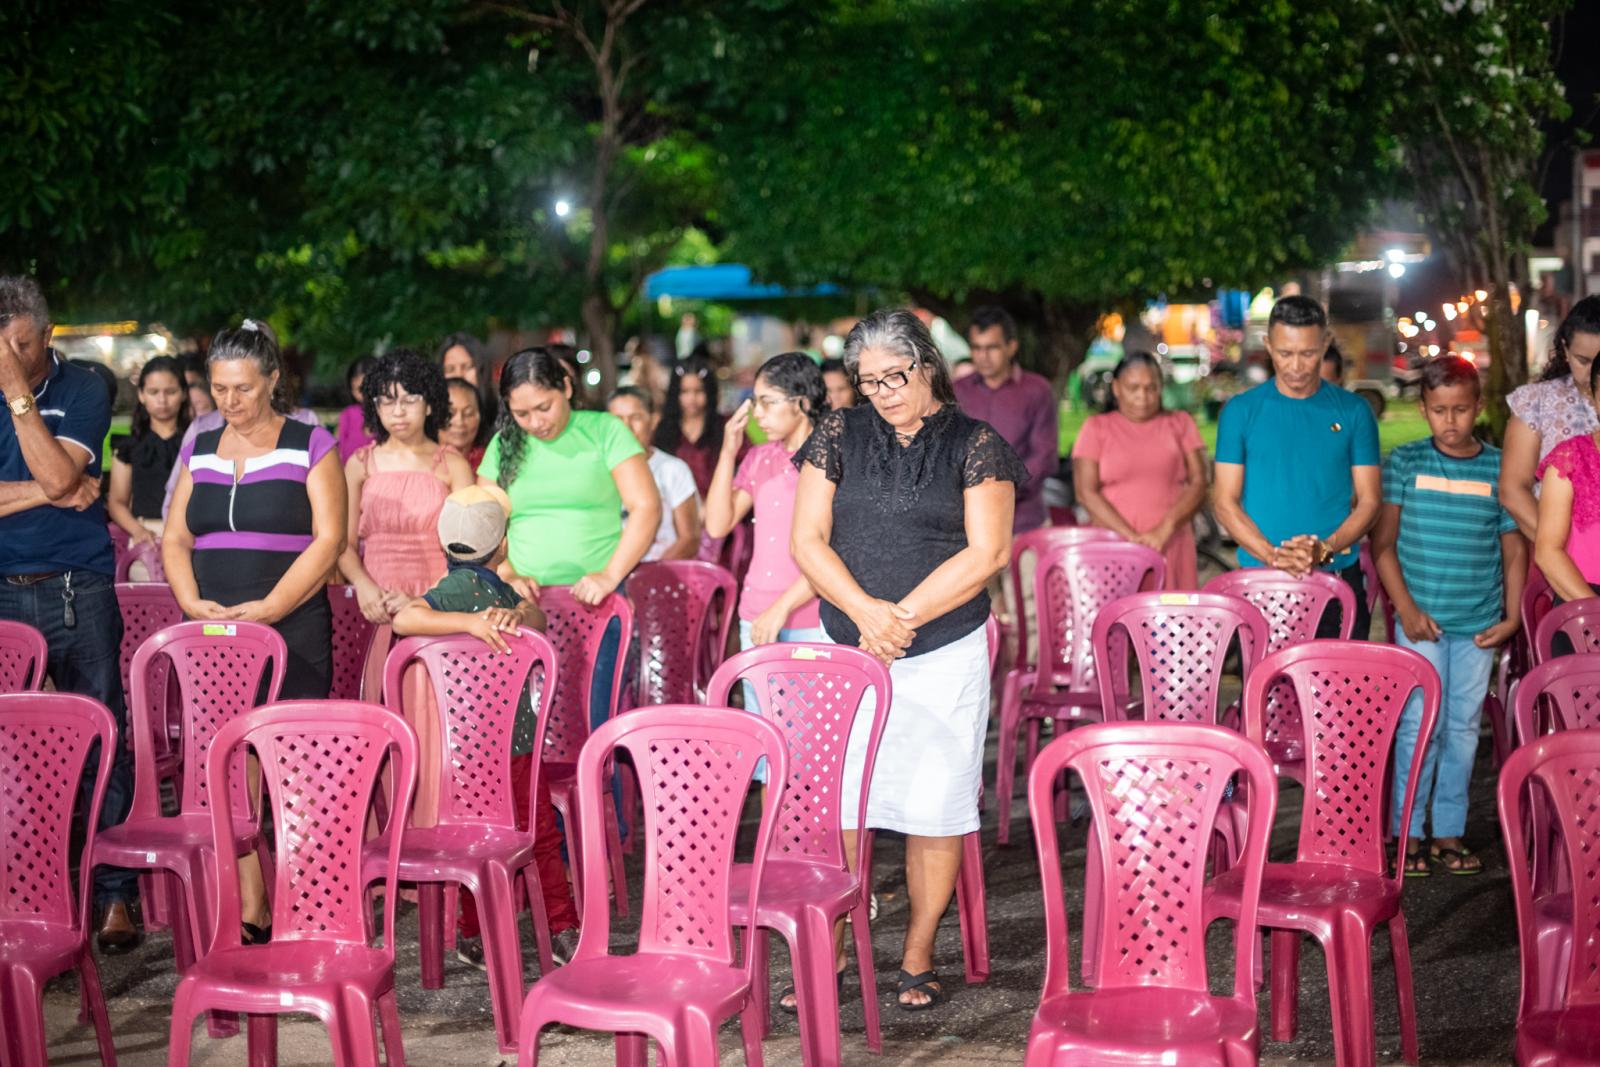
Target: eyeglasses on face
{"points": [[389, 403], [891, 382]]}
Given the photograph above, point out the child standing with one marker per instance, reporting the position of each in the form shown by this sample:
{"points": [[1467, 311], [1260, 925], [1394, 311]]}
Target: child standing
{"points": [[471, 598], [1453, 564]]}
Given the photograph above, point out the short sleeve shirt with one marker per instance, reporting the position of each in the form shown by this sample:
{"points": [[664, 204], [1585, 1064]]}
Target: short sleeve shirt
{"points": [[1297, 456], [769, 475], [1450, 526], [469, 589], [1554, 410], [151, 460], [675, 482], [1578, 461], [566, 513], [76, 410]]}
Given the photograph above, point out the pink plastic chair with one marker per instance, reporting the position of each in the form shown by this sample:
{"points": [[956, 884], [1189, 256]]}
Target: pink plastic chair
{"points": [[45, 740], [1155, 791], [576, 631], [476, 842], [679, 634], [812, 693], [1293, 607], [1340, 886], [23, 656], [1558, 1015], [1377, 597], [1033, 543], [352, 643], [696, 767], [320, 764], [1072, 582], [124, 556], [1578, 620], [1516, 659], [219, 669]]}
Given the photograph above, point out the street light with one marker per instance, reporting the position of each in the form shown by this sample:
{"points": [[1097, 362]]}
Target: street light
{"points": [[563, 208], [1396, 269]]}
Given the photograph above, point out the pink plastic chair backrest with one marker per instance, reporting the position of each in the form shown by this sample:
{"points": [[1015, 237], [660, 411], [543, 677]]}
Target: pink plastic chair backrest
{"points": [[1537, 600], [146, 607], [1154, 790], [219, 669], [695, 767], [1293, 607], [23, 653], [1566, 767], [45, 740], [1181, 642], [1034, 542], [1351, 695], [991, 634], [1579, 620], [352, 643], [320, 763], [476, 691], [1570, 688], [672, 607], [576, 631], [1072, 583], [812, 693]]}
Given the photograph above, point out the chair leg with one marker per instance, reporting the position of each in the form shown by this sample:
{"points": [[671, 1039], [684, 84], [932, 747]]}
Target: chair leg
{"points": [[861, 930], [180, 1029], [633, 1050], [1350, 989], [972, 909], [430, 918], [452, 910], [816, 989], [1005, 768], [750, 1025], [1286, 984], [694, 1042], [22, 1010], [262, 1036], [1400, 948], [760, 1007], [502, 943], [394, 1050], [153, 900], [619, 877], [533, 890], [95, 997]]}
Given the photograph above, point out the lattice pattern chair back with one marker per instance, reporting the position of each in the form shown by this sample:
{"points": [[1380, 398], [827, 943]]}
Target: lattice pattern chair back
{"points": [[222, 670], [1563, 694], [23, 653], [673, 609], [695, 767], [477, 691], [1352, 694], [1034, 543], [146, 607], [1537, 600], [1072, 583], [44, 744], [320, 765], [352, 643], [1154, 790], [576, 630], [813, 694], [1579, 620], [1181, 642], [1565, 768], [1292, 607]]}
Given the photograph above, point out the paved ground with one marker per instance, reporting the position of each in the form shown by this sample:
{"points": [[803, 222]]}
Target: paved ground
{"points": [[1462, 940]]}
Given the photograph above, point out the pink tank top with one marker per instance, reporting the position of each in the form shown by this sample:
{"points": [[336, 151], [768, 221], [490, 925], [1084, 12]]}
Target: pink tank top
{"points": [[399, 527]]}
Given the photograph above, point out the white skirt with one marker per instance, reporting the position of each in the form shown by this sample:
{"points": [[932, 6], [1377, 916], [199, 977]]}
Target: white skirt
{"points": [[930, 761]]}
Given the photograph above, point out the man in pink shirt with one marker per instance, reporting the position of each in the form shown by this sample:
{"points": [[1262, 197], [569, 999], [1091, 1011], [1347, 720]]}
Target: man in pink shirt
{"points": [[1019, 404]]}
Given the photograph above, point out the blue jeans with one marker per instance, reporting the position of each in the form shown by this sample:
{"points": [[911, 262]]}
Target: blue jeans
{"points": [[605, 666], [1447, 766], [83, 658]]}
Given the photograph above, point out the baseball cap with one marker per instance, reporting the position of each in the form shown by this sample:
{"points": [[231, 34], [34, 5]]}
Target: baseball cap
{"points": [[472, 522]]}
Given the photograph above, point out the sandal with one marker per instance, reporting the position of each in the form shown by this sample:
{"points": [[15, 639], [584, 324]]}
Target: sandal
{"points": [[923, 983], [1458, 861], [251, 934], [788, 991], [1416, 863]]}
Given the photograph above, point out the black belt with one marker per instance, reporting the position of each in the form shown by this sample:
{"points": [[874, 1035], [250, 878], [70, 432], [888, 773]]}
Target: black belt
{"points": [[32, 579]]}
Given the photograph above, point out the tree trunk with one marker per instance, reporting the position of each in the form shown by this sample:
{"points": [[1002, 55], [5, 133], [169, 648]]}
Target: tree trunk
{"points": [[600, 323]]}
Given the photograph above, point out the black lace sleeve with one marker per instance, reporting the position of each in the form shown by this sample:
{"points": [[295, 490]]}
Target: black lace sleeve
{"points": [[989, 457], [824, 449]]}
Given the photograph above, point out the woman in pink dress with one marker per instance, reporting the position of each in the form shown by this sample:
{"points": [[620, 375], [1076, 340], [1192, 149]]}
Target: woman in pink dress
{"points": [[1141, 471]]}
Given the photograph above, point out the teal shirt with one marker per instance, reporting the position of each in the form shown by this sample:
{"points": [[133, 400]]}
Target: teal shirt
{"points": [[1297, 456], [1451, 520], [469, 589]]}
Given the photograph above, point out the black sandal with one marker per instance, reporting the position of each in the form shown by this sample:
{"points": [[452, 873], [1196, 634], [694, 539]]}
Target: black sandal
{"points": [[1455, 860], [788, 991], [1415, 864], [920, 983], [251, 934]]}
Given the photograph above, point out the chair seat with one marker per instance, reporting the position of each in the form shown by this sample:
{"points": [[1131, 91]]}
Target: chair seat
{"points": [[1563, 1038], [266, 978], [44, 948], [614, 992], [442, 853], [789, 886], [1119, 1020], [141, 843], [1305, 896]]}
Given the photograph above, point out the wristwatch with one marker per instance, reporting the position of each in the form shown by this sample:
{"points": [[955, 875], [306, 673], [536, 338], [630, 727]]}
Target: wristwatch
{"points": [[1322, 554], [21, 405]]}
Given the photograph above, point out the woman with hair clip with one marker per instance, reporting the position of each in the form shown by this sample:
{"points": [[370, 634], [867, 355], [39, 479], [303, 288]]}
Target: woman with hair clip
{"points": [[570, 475], [143, 460], [1557, 407], [691, 427], [1140, 471]]}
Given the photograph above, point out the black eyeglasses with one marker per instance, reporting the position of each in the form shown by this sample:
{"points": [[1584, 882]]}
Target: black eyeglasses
{"points": [[891, 382]]}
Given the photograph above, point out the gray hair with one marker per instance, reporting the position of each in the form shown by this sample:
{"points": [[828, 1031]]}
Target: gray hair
{"points": [[254, 340], [20, 295], [898, 330]]}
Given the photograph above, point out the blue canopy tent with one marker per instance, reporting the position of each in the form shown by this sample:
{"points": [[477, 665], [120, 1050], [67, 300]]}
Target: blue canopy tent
{"points": [[722, 281]]}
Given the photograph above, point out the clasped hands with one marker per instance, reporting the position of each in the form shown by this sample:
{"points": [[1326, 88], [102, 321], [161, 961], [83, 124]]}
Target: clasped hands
{"points": [[887, 629], [1297, 555]]}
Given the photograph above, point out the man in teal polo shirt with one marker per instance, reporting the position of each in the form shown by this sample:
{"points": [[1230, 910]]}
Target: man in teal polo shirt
{"points": [[1298, 482]]}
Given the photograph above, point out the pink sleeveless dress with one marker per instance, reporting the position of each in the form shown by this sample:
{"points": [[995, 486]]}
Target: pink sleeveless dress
{"points": [[399, 536]]}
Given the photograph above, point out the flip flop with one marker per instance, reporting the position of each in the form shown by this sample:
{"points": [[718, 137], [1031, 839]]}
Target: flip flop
{"points": [[1415, 864], [920, 983], [1442, 856], [788, 991]]}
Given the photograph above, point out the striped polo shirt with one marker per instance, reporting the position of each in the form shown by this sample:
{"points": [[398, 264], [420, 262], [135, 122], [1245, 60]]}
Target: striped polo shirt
{"points": [[267, 509], [1450, 526]]}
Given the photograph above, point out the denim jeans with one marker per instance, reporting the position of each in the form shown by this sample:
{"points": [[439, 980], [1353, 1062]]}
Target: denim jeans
{"points": [[84, 658], [1447, 766], [605, 667]]}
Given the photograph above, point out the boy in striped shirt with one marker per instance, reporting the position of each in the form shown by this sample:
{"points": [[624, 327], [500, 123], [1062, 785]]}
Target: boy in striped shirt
{"points": [[1453, 563]]}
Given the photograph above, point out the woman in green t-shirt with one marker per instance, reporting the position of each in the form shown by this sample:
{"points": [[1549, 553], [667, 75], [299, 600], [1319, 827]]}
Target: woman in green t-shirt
{"points": [[570, 475]]}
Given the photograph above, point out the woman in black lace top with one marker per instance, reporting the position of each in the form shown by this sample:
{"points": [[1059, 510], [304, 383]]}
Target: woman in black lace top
{"points": [[902, 516]]}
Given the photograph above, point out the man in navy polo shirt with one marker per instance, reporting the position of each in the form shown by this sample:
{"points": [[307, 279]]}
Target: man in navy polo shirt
{"points": [[56, 564]]}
